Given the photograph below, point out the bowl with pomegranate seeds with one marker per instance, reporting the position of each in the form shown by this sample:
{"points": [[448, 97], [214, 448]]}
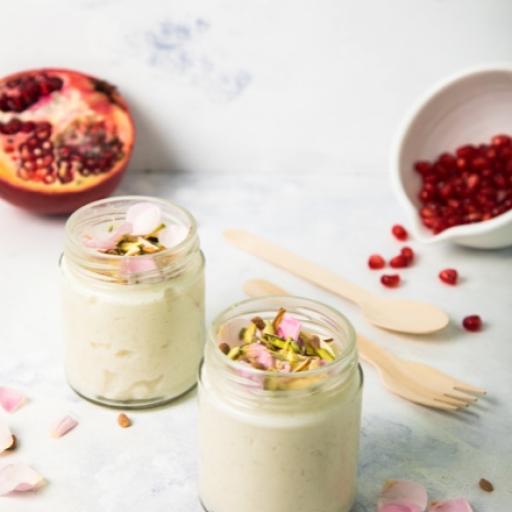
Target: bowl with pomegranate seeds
{"points": [[452, 163]]}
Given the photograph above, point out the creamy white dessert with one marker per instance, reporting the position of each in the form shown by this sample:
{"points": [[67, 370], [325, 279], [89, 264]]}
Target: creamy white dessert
{"points": [[133, 310], [277, 442], [133, 342]]}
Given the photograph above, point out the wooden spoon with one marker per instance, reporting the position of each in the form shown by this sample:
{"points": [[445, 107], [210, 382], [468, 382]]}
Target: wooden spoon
{"points": [[399, 315]]}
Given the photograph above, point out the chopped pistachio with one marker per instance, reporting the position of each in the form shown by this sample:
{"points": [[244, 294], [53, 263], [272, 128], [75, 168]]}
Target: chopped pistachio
{"points": [[325, 355], [224, 348], [259, 323], [233, 353], [278, 318], [249, 333], [263, 349]]}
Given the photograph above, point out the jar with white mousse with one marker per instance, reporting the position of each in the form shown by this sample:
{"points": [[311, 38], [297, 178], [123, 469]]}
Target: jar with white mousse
{"points": [[279, 409], [133, 301]]}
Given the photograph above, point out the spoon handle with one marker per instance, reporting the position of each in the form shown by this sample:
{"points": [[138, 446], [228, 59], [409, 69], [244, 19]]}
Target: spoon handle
{"points": [[296, 265]]}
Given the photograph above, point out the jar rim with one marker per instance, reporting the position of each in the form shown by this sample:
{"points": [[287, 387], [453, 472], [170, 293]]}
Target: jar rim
{"points": [[348, 354], [79, 218]]}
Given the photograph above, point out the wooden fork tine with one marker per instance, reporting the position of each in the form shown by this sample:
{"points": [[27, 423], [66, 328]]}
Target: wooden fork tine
{"points": [[467, 388], [459, 395], [451, 401]]}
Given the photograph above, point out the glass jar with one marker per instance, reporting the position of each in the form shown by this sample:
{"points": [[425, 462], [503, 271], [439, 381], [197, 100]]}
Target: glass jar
{"points": [[279, 442], [131, 338]]}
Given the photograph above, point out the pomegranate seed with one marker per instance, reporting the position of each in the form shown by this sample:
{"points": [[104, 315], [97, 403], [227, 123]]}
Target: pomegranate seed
{"points": [[376, 261], [408, 254], [399, 261], [501, 140], [390, 280], [467, 186], [399, 232], [449, 276], [472, 323]]}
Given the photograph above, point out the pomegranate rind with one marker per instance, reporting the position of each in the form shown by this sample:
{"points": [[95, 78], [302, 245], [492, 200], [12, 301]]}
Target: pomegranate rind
{"points": [[105, 105]]}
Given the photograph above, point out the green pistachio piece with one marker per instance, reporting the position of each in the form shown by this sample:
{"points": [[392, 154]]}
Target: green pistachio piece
{"points": [[234, 352], [269, 329], [325, 354], [129, 248], [276, 341], [249, 333]]}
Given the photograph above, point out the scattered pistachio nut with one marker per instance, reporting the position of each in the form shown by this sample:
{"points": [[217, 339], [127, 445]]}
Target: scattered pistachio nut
{"points": [[124, 421], [485, 485]]}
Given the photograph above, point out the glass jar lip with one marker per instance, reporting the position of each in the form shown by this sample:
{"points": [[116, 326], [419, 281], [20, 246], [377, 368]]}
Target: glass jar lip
{"points": [[347, 354], [77, 244]]}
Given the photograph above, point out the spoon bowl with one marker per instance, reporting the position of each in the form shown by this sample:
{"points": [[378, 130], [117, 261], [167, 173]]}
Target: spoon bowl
{"points": [[402, 315]]}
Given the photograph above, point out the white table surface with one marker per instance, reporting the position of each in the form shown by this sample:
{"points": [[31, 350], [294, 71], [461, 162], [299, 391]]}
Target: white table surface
{"points": [[337, 221]]}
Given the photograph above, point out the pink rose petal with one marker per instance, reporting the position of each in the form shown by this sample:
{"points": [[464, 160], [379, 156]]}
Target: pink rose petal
{"points": [[402, 496], [136, 264], [5, 437], [172, 235], [456, 505], [19, 477], [65, 425], [10, 399], [260, 354], [109, 242], [145, 217], [289, 328]]}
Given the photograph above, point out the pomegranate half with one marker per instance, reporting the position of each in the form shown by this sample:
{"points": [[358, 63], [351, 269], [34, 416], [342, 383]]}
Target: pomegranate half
{"points": [[65, 139]]}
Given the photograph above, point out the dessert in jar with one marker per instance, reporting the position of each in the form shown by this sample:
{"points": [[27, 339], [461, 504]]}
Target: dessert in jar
{"points": [[133, 301], [279, 409]]}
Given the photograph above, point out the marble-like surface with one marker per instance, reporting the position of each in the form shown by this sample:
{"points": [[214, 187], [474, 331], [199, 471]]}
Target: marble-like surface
{"points": [[337, 221]]}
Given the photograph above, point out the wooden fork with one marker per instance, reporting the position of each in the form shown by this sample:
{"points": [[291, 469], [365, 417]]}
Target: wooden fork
{"points": [[416, 382]]}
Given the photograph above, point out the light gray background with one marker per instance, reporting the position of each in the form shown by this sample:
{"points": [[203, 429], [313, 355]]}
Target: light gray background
{"points": [[275, 116]]}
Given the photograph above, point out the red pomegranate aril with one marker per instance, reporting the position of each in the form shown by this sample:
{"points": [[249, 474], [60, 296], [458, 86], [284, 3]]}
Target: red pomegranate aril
{"points": [[449, 276], [399, 232], [422, 167], [408, 254], [376, 262], [479, 163], [399, 261], [472, 323], [466, 151], [390, 280], [467, 186], [501, 140]]}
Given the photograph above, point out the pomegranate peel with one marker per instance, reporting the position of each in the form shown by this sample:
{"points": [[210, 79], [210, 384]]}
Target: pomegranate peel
{"points": [[65, 139]]}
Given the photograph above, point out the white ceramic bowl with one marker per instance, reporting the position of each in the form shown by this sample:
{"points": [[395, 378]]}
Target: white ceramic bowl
{"points": [[468, 108]]}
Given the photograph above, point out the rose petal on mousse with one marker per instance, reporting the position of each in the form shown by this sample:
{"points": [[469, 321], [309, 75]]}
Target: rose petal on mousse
{"points": [[289, 327], [260, 354], [455, 505], [64, 426], [144, 217], [135, 264], [172, 235], [402, 496], [10, 399], [19, 477], [109, 242], [6, 439]]}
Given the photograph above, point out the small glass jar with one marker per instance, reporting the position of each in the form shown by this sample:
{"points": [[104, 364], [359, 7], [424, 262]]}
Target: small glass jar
{"points": [[279, 442], [131, 338]]}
